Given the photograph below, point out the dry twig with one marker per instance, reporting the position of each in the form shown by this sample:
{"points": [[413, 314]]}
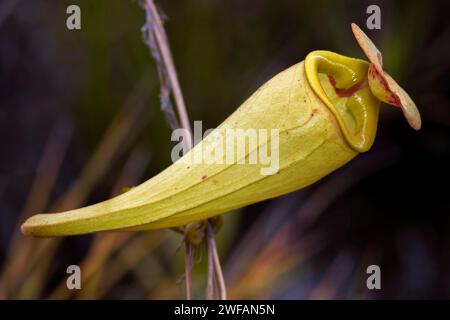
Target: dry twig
{"points": [[156, 39]]}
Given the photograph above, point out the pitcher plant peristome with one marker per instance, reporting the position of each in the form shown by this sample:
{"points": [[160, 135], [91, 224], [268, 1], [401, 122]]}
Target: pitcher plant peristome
{"points": [[325, 109]]}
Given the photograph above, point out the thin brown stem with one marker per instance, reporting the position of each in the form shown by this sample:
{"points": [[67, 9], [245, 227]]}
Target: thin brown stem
{"points": [[211, 269], [156, 39], [188, 262], [166, 56], [212, 251]]}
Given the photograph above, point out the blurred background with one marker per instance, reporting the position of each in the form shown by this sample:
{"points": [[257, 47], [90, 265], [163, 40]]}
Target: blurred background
{"points": [[80, 121]]}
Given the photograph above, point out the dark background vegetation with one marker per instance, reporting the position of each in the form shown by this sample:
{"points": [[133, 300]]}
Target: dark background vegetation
{"points": [[80, 121]]}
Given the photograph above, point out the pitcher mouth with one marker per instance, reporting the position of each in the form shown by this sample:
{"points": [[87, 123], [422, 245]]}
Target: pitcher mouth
{"points": [[341, 83]]}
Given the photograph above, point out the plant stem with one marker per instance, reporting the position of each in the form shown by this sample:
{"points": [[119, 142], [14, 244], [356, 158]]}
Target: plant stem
{"points": [[156, 39], [188, 262], [169, 66], [213, 257]]}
